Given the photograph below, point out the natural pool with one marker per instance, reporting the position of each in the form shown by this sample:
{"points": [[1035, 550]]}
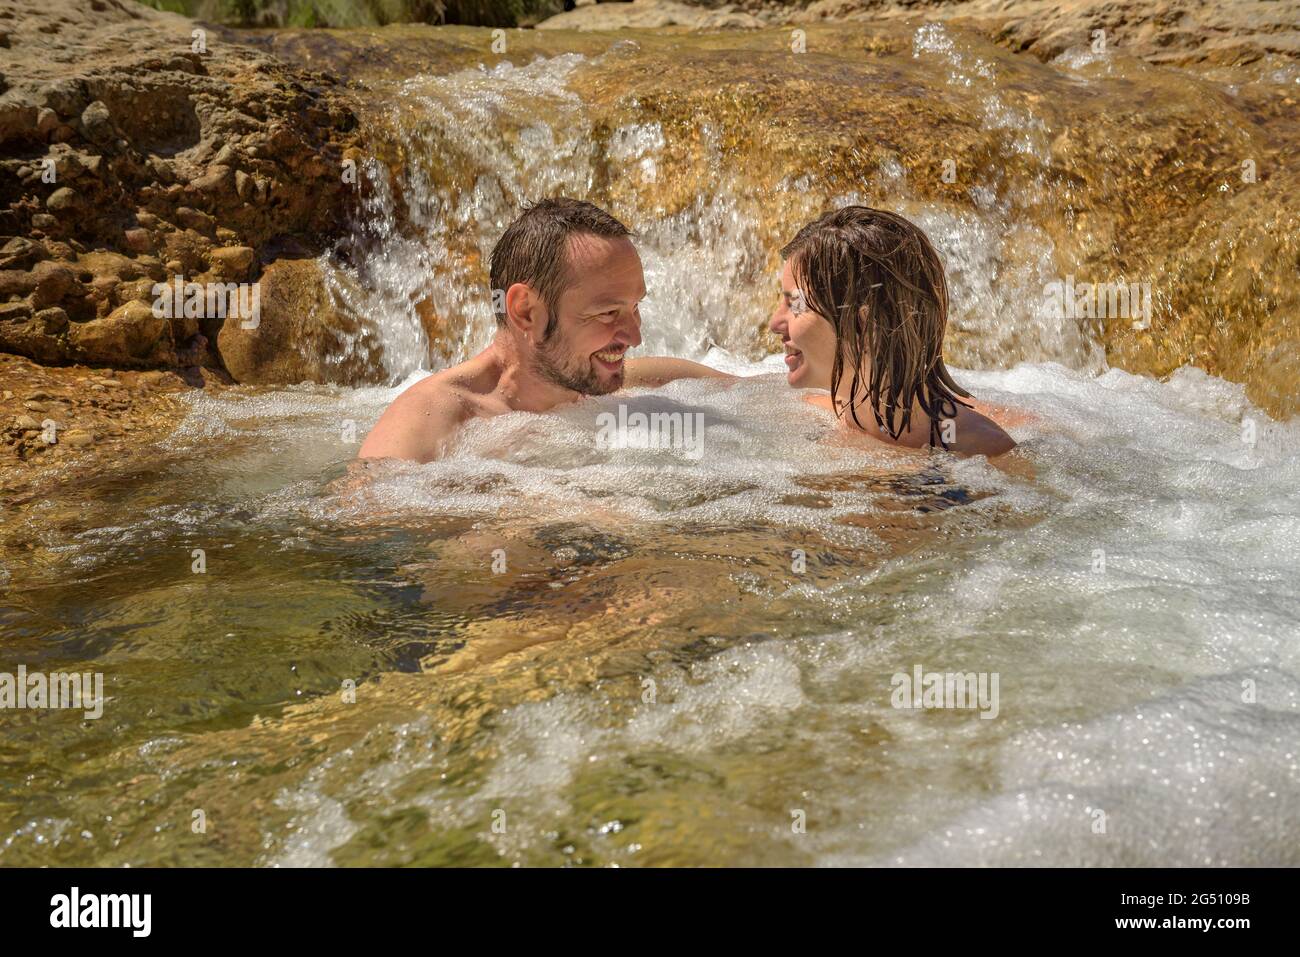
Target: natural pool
{"points": [[646, 678], [539, 651]]}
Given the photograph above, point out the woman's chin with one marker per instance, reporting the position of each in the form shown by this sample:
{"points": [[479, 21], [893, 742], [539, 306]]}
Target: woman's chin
{"points": [[800, 377]]}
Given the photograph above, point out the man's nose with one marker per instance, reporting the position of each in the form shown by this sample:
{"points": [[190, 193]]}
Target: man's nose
{"points": [[629, 330]]}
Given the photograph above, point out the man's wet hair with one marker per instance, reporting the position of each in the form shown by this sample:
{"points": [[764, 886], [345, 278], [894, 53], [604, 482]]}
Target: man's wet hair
{"points": [[534, 249]]}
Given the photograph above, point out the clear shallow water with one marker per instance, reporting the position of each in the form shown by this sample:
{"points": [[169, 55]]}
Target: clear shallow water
{"points": [[648, 680]]}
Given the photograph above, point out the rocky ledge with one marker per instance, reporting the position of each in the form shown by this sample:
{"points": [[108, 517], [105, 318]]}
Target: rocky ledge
{"points": [[139, 146], [1223, 32]]}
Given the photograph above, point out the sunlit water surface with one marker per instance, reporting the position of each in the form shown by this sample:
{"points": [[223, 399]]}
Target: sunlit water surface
{"points": [[569, 654]]}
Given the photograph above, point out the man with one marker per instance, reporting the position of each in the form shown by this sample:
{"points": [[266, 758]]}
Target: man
{"points": [[567, 283]]}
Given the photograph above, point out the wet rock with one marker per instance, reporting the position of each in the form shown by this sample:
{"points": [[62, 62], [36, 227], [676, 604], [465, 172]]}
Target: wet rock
{"points": [[77, 438], [25, 423], [299, 336], [232, 262], [130, 336]]}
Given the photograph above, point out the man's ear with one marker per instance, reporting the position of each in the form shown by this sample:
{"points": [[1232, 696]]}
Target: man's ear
{"points": [[525, 311]]}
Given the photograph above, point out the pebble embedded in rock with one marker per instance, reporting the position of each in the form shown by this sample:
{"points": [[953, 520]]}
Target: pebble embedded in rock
{"points": [[137, 240], [15, 312], [62, 199], [53, 282], [52, 321], [232, 262], [98, 123], [47, 121]]}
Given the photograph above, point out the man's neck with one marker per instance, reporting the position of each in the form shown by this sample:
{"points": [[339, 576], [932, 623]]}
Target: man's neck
{"points": [[518, 385]]}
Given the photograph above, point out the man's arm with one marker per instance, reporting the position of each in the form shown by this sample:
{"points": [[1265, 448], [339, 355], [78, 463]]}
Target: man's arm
{"points": [[657, 370], [417, 426]]}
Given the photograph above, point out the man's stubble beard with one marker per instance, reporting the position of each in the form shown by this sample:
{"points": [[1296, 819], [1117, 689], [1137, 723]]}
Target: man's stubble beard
{"points": [[547, 363]]}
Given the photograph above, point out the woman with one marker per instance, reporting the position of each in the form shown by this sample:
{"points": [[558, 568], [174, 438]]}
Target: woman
{"points": [[863, 313]]}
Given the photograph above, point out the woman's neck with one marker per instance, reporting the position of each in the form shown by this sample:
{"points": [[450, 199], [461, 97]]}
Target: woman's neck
{"points": [[916, 434]]}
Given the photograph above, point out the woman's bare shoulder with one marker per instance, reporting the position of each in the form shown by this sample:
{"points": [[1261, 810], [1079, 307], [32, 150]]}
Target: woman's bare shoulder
{"points": [[980, 434]]}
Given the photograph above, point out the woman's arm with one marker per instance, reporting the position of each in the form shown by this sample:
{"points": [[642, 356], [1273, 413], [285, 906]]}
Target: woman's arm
{"points": [[657, 370]]}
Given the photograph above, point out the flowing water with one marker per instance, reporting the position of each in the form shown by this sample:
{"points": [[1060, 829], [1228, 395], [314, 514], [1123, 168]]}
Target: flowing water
{"points": [[539, 650]]}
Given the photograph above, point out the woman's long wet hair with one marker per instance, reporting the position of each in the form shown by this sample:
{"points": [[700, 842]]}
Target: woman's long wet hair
{"points": [[879, 282]]}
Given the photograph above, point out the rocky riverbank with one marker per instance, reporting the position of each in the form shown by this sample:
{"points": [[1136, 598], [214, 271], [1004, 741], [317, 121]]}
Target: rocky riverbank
{"points": [[52, 417], [139, 146]]}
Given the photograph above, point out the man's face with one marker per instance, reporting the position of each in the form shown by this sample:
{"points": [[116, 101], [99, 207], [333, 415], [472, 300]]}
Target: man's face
{"points": [[597, 317]]}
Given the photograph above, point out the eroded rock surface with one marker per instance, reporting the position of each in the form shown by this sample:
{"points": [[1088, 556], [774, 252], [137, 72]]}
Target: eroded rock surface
{"points": [[1163, 31], [139, 146]]}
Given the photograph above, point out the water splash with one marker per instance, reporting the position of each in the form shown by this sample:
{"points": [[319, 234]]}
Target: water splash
{"points": [[464, 151]]}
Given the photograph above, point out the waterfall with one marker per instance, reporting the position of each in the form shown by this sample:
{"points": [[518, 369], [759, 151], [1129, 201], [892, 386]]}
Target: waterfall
{"points": [[457, 154]]}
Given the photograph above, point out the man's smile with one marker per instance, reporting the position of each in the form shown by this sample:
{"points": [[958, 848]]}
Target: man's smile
{"points": [[611, 357]]}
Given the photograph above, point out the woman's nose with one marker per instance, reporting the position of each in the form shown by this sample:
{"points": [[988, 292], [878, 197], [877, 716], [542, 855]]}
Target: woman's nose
{"points": [[779, 324]]}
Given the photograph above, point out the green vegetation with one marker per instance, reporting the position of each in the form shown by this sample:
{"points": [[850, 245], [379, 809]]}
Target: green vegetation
{"points": [[361, 13]]}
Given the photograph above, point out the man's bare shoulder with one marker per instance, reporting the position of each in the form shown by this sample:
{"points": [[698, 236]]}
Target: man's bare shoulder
{"points": [[418, 423]]}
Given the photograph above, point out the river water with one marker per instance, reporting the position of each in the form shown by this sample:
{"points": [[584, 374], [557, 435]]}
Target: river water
{"points": [[542, 651]]}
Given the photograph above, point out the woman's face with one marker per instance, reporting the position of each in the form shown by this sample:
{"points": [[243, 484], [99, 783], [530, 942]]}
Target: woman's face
{"points": [[808, 338]]}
